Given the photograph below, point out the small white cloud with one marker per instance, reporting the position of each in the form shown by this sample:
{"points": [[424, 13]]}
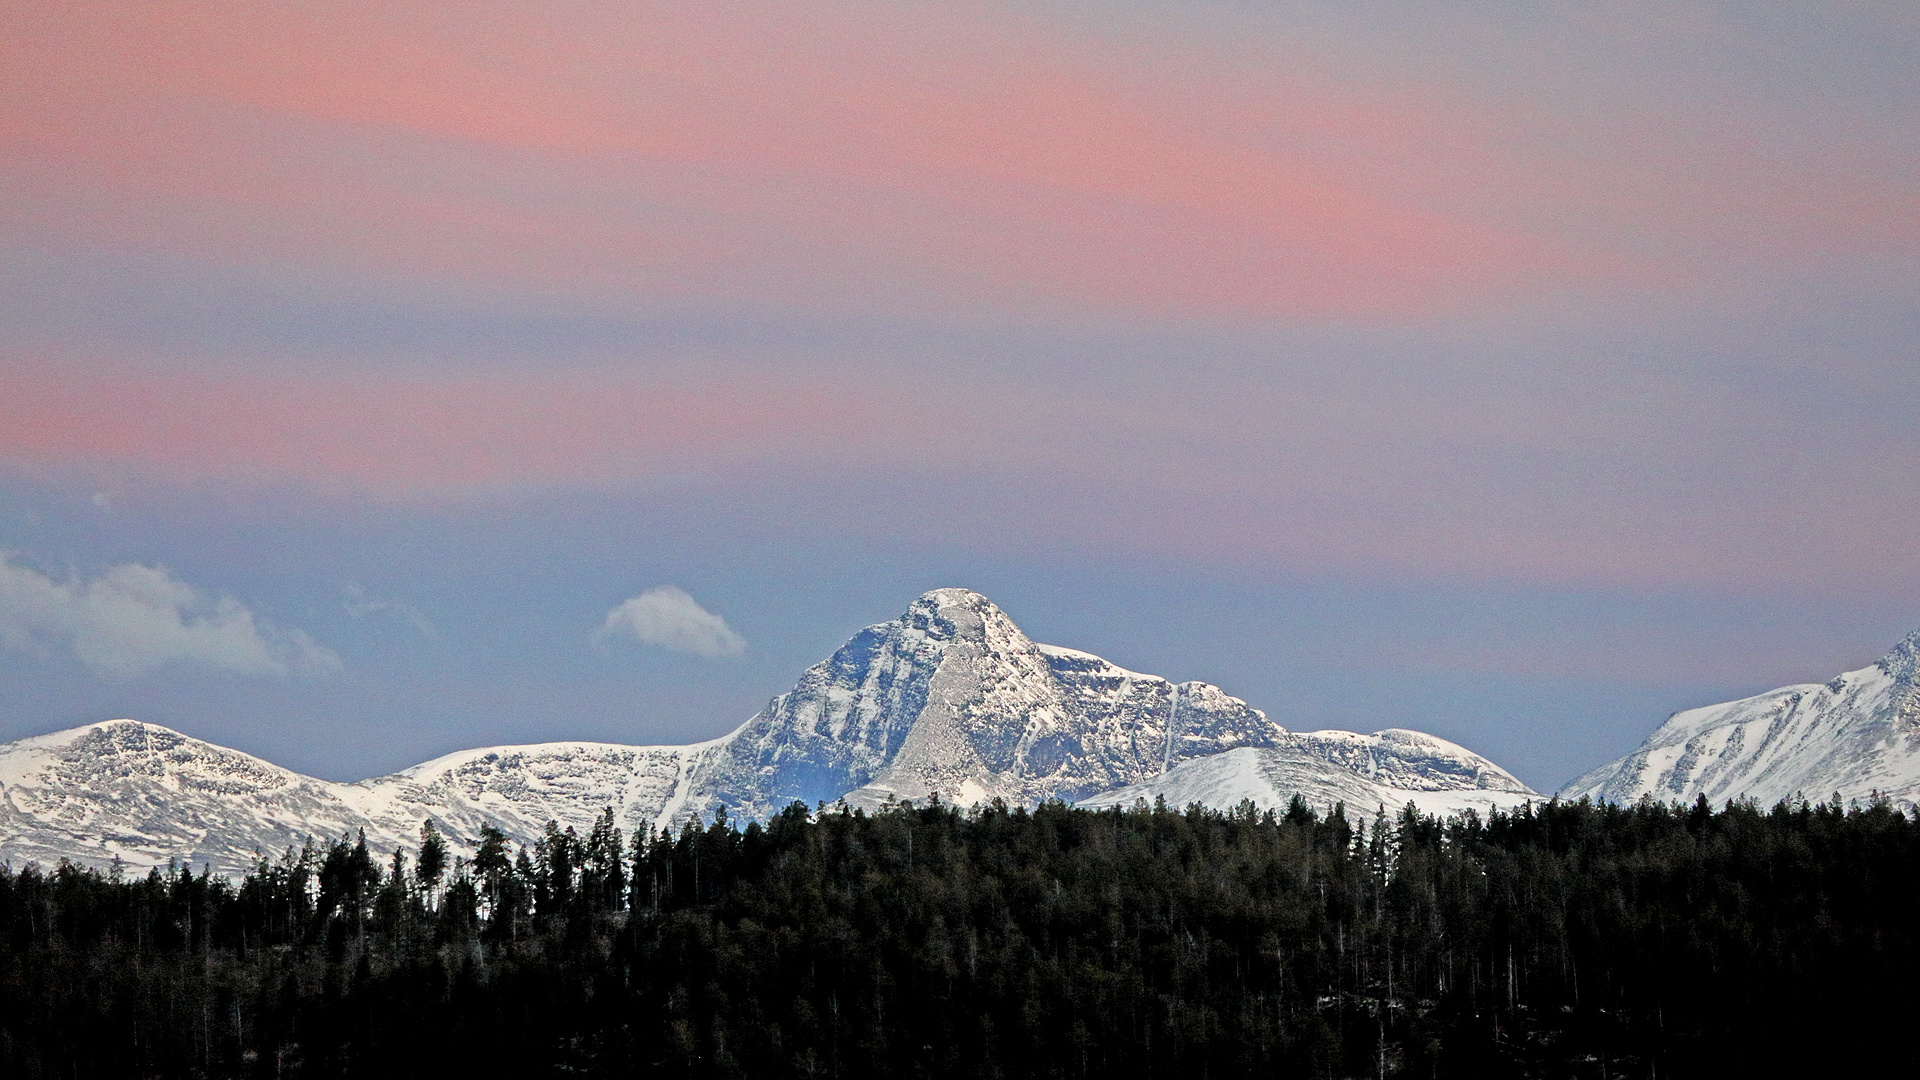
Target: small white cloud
{"points": [[359, 605], [135, 618], [668, 617]]}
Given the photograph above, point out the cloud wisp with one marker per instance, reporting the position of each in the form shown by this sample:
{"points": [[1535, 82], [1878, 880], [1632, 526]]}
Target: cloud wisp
{"points": [[134, 619], [666, 616], [361, 606]]}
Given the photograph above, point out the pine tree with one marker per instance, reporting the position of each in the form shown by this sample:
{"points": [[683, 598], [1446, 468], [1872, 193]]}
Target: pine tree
{"points": [[603, 879], [433, 856]]}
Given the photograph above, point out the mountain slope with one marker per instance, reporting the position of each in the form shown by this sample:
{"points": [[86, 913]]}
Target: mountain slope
{"points": [[1387, 769], [145, 794], [1857, 735]]}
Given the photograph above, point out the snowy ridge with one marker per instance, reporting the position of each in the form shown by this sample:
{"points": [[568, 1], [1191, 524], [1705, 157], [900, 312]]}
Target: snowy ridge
{"points": [[146, 794], [1858, 735], [950, 699], [1383, 771], [517, 789]]}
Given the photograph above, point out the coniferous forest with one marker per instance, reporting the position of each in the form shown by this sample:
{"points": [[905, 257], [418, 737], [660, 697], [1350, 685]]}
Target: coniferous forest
{"points": [[1564, 940]]}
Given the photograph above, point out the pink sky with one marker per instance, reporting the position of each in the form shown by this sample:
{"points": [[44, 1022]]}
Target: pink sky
{"points": [[977, 164], [952, 159]]}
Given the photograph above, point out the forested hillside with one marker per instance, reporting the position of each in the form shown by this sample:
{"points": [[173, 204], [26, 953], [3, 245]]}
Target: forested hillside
{"points": [[1560, 940]]}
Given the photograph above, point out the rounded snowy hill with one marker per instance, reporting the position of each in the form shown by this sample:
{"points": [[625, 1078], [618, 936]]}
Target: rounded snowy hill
{"points": [[1367, 773], [144, 794]]}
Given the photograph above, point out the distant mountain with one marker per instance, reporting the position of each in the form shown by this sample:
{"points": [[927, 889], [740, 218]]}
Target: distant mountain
{"points": [[1856, 736], [949, 700], [145, 794]]}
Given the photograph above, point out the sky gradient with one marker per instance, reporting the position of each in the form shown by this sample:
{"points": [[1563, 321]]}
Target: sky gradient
{"points": [[1516, 372]]}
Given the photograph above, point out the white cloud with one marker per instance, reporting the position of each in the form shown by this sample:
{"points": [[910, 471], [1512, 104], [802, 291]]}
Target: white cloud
{"points": [[668, 617], [135, 618], [359, 605]]}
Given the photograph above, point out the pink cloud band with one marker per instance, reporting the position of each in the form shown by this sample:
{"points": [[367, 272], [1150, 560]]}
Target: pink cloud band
{"points": [[410, 434], [869, 156]]}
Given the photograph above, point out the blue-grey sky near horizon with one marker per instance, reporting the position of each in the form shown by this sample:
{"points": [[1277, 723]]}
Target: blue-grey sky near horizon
{"points": [[1518, 373]]}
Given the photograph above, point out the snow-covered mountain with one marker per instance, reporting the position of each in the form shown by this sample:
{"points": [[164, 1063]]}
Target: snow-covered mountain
{"points": [[145, 794], [1385, 770], [1858, 735], [950, 699]]}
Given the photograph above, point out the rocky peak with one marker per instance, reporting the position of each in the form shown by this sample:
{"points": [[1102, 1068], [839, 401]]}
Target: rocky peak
{"points": [[952, 699], [1902, 660], [956, 614]]}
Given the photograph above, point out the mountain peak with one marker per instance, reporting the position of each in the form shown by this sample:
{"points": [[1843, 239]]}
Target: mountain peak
{"points": [[1902, 660], [952, 698], [953, 595], [955, 614], [122, 734]]}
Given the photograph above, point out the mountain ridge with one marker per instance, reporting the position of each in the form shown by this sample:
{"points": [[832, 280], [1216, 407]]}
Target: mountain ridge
{"points": [[1325, 768], [949, 700], [1856, 736]]}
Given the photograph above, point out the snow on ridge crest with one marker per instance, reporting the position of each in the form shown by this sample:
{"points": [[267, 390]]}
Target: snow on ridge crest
{"points": [[1901, 661], [1857, 736], [1381, 772]]}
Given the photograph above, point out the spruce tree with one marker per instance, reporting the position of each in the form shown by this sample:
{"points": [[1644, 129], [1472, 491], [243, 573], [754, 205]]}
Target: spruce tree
{"points": [[433, 856]]}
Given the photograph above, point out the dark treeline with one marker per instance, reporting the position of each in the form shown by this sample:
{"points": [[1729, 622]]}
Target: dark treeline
{"points": [[1559, 940]]}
